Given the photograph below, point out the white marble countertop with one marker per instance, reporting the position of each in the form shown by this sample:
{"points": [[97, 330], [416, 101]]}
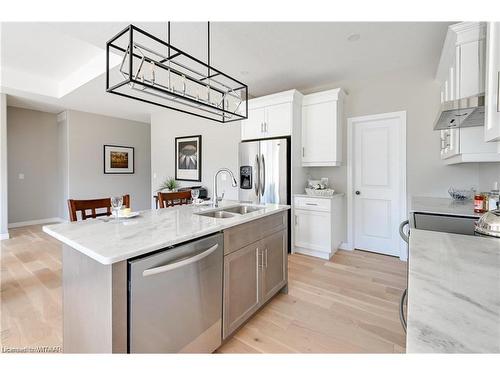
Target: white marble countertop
{"points": [[112, 241], [453, 294], [443, 206], [335, 195]]}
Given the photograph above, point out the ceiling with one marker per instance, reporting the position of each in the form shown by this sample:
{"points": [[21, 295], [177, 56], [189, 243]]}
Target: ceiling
{"points": [[57, 66]]}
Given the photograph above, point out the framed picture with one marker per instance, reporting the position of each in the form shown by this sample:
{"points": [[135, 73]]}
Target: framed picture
{"points": [[118, 159], [188, 158]]}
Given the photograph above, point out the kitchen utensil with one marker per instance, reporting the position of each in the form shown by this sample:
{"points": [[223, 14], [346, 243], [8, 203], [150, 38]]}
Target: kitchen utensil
{"points": [[489, 224]]}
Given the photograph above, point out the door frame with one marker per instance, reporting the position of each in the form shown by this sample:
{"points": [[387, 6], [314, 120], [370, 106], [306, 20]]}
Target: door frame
{"points": [[350, 175]]}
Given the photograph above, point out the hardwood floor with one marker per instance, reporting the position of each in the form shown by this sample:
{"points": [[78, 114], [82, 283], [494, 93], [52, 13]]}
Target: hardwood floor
{"points": [[347, 305]]}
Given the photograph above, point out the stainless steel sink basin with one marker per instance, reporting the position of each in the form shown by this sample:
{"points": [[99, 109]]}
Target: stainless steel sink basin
{"points": [[242, 210], [216, 214]]}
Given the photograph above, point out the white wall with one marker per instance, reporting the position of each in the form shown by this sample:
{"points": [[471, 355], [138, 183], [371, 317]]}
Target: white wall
{"points": [[489, 173], [4, 233], [219, 148], [419, 96], [87, 133], [32, 152]]}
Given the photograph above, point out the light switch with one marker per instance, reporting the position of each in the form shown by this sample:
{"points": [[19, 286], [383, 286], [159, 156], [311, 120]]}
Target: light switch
{"points": [[21, 176], [154, 175]]}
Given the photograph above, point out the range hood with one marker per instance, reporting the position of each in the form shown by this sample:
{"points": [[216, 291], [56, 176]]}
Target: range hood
{"points": [[461, 113]]}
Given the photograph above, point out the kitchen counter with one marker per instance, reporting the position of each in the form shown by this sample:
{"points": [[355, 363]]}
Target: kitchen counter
{"points": [[454, 293], [108, 241], [335, 195], [443, 206]]}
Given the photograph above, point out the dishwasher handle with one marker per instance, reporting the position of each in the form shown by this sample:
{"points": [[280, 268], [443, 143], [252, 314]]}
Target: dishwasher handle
{"points": [[402, 317], [181, 263], [402, 233]]}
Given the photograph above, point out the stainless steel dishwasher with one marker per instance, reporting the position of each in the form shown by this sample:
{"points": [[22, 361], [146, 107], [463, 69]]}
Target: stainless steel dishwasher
{"points": [[175, 299]]}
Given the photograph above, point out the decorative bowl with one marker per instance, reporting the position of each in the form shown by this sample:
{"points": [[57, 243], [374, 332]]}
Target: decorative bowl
{"points": [[320, 192], [461, 194]]}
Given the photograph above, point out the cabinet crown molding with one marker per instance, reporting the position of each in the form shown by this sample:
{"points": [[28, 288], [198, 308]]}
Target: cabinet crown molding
{"points": [[323, 96], [278, 98]]}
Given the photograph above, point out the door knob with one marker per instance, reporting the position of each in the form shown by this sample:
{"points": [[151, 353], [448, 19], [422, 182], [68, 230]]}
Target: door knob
{"points": [[357, 192]]}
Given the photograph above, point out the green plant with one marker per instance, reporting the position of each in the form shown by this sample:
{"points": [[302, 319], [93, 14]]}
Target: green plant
{"points": [[170, 184]]}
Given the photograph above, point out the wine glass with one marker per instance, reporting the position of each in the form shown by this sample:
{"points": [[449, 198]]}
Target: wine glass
{"points": [[195, 193], [116, 204]]}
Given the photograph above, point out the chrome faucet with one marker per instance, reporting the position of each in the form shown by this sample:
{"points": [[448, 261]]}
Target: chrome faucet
{"points": [[234, 183]]}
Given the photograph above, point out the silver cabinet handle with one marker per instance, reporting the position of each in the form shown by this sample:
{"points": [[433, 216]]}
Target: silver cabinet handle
{"points": [[311, 204], [402, 233], [266, 258], [181, 263], [260, 260], [263, 184], [296, 220], [303, 151], [402, 310]]}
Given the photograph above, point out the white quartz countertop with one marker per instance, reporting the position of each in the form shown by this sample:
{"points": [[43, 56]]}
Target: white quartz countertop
{"points": [[443, 206], [335, 195], [111, 241], [453, 293]]}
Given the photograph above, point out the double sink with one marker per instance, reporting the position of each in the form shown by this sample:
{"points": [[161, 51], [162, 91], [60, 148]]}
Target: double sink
{"points": [[225, 213]]}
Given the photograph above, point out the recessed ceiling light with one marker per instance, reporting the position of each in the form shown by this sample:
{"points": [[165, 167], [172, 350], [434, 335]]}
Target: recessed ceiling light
{"points": [[353, 37]]}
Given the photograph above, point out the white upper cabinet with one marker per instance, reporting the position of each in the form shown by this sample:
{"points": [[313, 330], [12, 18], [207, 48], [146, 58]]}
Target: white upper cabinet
{"points": [[322, 119], [253, 127], [270, 116], [492, 105], [462, 73]]}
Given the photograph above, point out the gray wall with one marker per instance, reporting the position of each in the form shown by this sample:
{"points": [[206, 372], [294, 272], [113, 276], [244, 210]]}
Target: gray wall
{"points": [[219, 148], [419, 96], [4, 233], [87, 134], [33, 151]]}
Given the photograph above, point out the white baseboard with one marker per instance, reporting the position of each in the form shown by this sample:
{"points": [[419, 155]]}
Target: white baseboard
{"points": [[346, 246], [313, 253], [4, 236], [36, 222]]}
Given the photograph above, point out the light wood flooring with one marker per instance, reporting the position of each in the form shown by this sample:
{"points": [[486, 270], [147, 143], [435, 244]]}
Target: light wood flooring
{"points": [[346, 305]]}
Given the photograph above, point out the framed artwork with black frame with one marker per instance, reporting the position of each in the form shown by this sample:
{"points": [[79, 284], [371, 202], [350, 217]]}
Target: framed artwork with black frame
{"points": [[118, 159], [188, 158]]}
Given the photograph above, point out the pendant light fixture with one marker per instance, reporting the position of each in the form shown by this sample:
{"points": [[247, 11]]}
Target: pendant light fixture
{"points": [[154, 71]]}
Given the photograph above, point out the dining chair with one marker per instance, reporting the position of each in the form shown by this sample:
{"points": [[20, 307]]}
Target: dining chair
{"points": [[174, 199], [83, 205]]}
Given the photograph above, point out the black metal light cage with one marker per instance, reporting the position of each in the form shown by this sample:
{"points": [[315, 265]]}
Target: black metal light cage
{"points": [[158, 73]]}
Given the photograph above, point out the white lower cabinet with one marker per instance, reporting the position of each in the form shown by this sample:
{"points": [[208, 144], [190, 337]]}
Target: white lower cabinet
{"points": [[318, 225]]}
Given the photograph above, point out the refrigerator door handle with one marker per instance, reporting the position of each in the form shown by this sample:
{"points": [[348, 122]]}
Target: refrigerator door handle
{"points": [[257, 180], [263, 180]]}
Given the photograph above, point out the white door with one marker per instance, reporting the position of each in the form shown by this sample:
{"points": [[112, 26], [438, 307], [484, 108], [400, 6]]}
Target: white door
{"points": [[253, 127], [278, 120], [378, 181]]}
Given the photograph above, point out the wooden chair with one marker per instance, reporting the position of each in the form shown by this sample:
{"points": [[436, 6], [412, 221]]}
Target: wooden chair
{"points": [[76, 205], [174, 199]]}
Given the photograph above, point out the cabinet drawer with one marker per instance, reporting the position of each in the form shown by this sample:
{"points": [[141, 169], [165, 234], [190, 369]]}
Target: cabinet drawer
{"points": [[315, 204], [242, 235]]}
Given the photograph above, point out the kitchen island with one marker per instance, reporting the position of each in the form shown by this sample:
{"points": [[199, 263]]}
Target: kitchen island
{"points": [[242, 254], [453, 293]]}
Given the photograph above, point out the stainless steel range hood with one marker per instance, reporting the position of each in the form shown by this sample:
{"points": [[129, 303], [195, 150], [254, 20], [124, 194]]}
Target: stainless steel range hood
{"points": [[461, 113]]}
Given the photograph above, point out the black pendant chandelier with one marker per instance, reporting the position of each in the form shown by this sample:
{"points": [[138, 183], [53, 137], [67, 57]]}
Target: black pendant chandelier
{"points": [[155, 72]]}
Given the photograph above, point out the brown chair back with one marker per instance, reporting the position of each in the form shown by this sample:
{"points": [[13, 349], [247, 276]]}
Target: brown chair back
{"points": [[174, 199], [82, 205]]}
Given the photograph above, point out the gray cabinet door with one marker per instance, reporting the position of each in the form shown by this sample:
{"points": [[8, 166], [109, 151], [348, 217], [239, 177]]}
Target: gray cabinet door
{"points": [[273, 273], [241, 286]]}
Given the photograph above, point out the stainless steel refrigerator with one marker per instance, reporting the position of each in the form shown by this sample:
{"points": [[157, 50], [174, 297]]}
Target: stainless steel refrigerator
{"points": [[265, 171]]}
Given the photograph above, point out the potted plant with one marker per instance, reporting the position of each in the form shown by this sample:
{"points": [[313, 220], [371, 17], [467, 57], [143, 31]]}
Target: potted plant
{"points": [[170, 184]]}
